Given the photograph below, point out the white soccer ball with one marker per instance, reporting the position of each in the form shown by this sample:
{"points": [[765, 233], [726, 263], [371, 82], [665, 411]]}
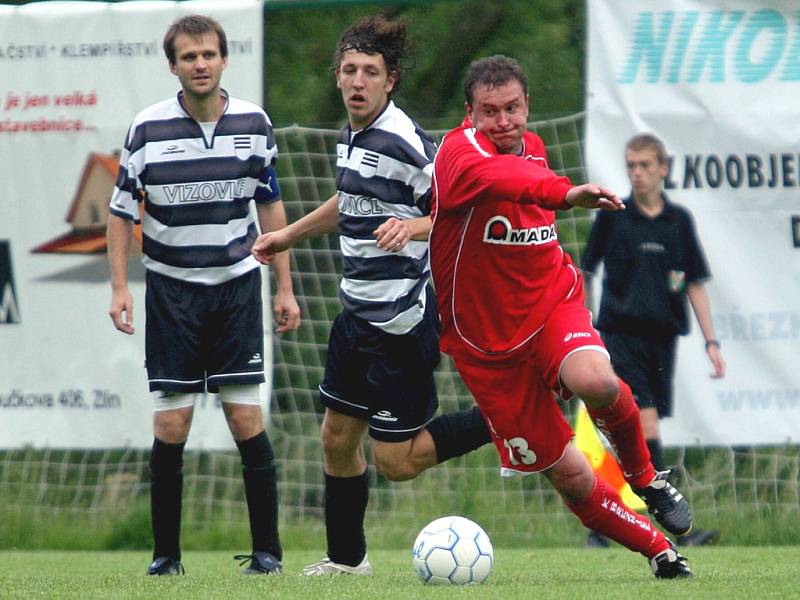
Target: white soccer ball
{"points": [[453, 550]]}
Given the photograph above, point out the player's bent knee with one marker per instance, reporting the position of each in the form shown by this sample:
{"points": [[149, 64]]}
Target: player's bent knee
{"points": [[600, 391], [395, 470], [396, 461]]}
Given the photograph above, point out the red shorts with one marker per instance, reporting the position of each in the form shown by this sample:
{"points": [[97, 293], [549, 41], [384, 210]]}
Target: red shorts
{"points": [[519, 399]]}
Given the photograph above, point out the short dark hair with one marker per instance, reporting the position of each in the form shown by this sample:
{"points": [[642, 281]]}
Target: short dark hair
{"points": [[377, 35], [648, 141], [195, 26], [493, 71]]}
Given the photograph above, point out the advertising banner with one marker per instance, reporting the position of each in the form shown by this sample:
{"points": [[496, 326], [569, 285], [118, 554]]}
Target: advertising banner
{"points": [[719, 82], [72, 77]]}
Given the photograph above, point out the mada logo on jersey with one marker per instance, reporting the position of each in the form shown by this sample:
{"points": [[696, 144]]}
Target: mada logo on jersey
{"points": [[499, 231]]}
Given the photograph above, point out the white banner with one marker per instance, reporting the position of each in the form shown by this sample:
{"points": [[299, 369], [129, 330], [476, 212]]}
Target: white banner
{"points": [[72, 77], [719, 82]]}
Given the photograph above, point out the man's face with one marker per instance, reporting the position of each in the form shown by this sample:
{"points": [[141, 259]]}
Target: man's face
{"points": [[646, 174], [501, 113], [365, 86], [198, 64]]}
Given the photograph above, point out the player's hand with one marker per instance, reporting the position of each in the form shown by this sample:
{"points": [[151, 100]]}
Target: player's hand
{"points": [[267, 245], [121, 311], [285, 311], [715, 356], [392, 235], [591, 195]]}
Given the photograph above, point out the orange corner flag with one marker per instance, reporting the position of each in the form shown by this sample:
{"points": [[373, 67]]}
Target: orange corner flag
{"points": [[603, 462]]}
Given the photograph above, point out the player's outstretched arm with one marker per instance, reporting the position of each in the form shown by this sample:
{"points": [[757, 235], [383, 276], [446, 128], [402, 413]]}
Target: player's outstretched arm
{"points": [[324, 219], [591, 195], [268, 245], [393, 234]]}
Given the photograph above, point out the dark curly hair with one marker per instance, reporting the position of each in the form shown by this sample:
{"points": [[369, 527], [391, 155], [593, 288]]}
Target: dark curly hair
{"points": [[493, 71], [377, 35], [195, 26]]}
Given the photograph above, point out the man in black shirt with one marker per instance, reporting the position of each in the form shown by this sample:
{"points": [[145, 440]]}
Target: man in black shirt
{"points": [[653, 264]]}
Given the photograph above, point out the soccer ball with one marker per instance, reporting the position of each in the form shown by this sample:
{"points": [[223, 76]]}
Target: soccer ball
{"points": [[452, 550]]}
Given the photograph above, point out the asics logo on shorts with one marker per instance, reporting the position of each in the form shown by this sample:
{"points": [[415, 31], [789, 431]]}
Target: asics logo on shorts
{"points": [[577, 334]]}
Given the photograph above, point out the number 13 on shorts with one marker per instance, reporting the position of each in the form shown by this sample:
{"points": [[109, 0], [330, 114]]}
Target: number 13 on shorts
{"points": [[519, 452]]}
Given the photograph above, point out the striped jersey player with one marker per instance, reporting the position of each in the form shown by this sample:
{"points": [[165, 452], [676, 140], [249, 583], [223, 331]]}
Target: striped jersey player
{"points": [[196, 182], [384, 345], [191, 168], [383, 171]]}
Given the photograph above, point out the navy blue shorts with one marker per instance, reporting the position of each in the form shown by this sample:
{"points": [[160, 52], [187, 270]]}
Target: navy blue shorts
{"points": [[384, 379], [647, 364], [199, 337]]}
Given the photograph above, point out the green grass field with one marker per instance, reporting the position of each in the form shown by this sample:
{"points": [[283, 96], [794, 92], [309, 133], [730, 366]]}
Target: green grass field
{"points": [[720, 572]]}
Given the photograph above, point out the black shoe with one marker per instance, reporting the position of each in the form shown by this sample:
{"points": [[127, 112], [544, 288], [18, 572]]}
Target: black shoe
{"points": [[596, 540], [668, 564], [666, 504], [699, 537], [166, 565], [261, 563]]}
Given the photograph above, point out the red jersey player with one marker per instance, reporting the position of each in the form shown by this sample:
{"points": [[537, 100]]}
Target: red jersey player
{"points": [[513, 319]]}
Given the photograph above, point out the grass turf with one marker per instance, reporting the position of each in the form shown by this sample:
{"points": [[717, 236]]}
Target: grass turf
{"points": [[722, 572]]}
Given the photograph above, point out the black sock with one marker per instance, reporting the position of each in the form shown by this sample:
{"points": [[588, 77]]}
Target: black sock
{"points": [[457, 433], [656, 458], [166, 493], [345, 506], [261, 490]]}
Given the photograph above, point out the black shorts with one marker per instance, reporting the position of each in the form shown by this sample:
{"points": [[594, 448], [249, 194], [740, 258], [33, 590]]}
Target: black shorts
{"points": [[647, 364], [199, 337], [382, 378]]}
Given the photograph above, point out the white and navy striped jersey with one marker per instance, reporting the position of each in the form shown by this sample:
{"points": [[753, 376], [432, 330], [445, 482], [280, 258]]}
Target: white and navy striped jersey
{"points": [[197, 225], [383, 171]]}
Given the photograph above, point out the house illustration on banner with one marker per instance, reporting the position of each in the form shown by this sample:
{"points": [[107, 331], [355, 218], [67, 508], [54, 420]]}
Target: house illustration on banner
{"points": [[88, 213]]}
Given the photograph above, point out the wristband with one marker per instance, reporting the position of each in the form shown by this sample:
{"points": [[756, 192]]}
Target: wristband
{"points": [[710, 343]]}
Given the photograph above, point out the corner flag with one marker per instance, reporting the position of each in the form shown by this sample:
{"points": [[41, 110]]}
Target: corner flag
{"points": [[603, 462]]}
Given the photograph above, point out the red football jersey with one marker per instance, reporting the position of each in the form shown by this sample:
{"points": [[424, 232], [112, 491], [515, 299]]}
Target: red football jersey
{"points": [[495, 258]]}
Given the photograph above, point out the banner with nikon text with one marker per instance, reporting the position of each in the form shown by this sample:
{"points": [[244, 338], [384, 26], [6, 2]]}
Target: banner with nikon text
{"points": [[719, 82], [72, 77]]}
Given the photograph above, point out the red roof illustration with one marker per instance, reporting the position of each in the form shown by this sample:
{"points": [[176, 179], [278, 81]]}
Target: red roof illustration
{"points": [[88, 212]]}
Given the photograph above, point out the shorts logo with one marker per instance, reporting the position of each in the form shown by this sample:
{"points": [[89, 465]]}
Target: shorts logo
{"points": [[499, 231], [577, 334], [256, 360], [384, 415]]}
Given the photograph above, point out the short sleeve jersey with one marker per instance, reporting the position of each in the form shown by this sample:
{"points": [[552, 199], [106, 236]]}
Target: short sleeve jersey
{"points": [[196, 191], [383, 171], [648, 264]]}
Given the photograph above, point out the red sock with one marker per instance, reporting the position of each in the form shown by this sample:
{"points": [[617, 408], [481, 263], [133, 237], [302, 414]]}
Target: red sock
{"points": [[621, 424], [604, 512]]}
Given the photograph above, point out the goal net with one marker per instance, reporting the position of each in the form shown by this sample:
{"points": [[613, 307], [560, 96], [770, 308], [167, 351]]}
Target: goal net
{"points": [[48, 495]]}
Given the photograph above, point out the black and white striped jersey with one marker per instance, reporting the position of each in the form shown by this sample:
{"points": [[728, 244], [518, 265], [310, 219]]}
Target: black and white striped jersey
{"points": [[383, 171], [197, 188]]}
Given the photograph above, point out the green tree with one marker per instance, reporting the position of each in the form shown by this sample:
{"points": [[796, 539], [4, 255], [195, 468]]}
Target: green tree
{"points": [[546, 36]]}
